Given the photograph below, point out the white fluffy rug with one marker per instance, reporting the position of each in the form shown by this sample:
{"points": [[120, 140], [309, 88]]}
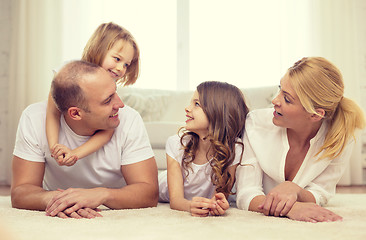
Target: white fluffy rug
{"points": [[163, 223]]}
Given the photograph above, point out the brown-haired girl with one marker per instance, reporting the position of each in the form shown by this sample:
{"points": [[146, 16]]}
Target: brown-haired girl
{"points": [[201, 164]]}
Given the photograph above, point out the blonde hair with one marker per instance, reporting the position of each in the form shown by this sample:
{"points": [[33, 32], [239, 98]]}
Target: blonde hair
{"points": [[319, 84], [103, 39], [226, 111]]}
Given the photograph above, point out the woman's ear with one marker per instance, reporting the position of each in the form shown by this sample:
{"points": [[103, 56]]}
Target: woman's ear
{"points": [[74, 113], [319, 116]]}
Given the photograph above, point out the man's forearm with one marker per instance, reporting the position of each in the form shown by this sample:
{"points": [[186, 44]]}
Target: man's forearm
{"points": [[138, 195], [30, 197]]}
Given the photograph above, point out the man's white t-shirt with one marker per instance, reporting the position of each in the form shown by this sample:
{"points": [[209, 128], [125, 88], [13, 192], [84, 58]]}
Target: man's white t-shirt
{"points": [[129, 144], [198, 182]]}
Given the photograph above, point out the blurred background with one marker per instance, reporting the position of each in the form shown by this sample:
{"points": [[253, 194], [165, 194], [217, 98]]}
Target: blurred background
{"points": [[249, 43]]}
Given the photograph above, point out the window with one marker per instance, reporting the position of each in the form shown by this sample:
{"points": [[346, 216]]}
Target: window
{"points": [[184, 42]]}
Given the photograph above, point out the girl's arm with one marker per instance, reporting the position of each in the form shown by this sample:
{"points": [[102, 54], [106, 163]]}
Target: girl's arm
{"points": [[65, 156], [98, 140], [176, 187], [52, 123], [199, 206]]}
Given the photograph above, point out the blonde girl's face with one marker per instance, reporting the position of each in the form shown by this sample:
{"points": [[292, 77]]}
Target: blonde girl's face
{"points": [[197, 120], [289, 112], [118, 59]]}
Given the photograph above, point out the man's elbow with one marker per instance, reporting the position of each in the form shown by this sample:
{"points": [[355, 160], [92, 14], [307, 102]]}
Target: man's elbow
{"points": [[154, 198], [16, 198]]}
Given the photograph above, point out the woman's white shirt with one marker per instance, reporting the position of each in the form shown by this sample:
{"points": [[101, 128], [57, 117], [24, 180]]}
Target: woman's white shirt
{"points": [[263, 165]]}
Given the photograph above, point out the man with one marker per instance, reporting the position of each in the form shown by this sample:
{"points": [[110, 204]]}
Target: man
{"points": [[122, 174]]}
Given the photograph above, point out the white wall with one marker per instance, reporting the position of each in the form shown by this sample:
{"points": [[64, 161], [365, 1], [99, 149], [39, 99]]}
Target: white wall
{"points": [[5, 29]]}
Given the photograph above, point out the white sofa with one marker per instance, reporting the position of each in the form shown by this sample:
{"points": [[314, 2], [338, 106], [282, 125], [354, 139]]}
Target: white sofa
{"points": [[163, 114], [163, 111]]}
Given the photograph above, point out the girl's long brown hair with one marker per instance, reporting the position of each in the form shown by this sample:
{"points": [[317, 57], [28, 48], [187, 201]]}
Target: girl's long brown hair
{"points": [[225, 108]]}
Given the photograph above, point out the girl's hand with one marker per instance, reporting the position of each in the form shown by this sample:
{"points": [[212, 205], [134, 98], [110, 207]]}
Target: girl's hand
{"points": [[63, 155], [200, 206], [280, 199], [311, 212], [221, 205]]}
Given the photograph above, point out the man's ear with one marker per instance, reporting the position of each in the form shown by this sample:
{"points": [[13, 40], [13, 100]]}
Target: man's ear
{"points": [[319, 116], [74, 113]]}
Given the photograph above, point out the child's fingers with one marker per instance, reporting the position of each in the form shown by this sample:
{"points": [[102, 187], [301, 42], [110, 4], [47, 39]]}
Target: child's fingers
{"points": [[57, 153], [70, 160], [199, 212], [60, 161], [224, 204], [220, 196], [200, 202], [218, 211]]}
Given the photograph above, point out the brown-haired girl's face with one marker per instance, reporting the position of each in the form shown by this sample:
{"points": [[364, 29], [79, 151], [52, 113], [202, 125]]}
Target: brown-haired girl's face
{"points": [[118, 59], [197, 120]]}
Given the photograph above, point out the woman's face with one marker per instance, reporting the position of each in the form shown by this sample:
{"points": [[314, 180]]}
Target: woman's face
{"points": [[289, 112]]}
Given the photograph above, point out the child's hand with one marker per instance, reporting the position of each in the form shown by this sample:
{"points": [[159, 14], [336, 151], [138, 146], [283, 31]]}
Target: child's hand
{"points": [[63, 155], [201, 207], [221, 205]]}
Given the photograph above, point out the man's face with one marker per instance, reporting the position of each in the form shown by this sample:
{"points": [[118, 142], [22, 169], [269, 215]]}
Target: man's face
{"points": [[103, 102]]}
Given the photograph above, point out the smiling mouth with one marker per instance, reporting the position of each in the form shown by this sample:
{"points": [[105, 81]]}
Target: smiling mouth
{"points": [[189, 118], [114, 75], [116, 114]]}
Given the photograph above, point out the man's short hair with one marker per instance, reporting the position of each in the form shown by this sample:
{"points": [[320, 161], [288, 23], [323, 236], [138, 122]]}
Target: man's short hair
{"points": [[65, 89]]}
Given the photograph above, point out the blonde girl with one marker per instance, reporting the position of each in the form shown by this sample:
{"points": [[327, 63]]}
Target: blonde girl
{"points": [[114, 49], [296, 152], [201, 163]]}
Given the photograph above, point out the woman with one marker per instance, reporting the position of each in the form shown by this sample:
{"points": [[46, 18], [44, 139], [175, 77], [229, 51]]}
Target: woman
{"points": [[295, 155]]}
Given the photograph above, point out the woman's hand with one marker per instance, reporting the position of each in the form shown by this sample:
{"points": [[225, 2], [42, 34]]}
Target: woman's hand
{"points": [[280, 199], [311, 212]]}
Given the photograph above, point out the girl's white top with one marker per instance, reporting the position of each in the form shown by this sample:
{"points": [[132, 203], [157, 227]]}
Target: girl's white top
{"points": [[198, 182], [263, 165]]}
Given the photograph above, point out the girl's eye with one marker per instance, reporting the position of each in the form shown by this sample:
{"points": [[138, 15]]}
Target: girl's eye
{"points": [[108, 101], [126, 65], [117, 59], [197, 104]]}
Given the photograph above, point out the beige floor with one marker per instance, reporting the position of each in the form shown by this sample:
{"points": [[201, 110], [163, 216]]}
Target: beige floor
{"points": [[5, 190]]}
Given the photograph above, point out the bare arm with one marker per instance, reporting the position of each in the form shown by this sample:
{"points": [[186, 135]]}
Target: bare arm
{"points": [[142, 188], [141, 191], [98, 140], [52, 123], [26, 188], [176, 187], [198, 206]]}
